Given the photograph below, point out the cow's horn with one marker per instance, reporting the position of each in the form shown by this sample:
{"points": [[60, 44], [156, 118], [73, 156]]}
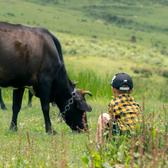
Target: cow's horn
{"points": [[74, 83], [87, 92]]}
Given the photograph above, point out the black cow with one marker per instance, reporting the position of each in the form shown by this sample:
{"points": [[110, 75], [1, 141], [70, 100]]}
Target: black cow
{"points": [[32, 57]]}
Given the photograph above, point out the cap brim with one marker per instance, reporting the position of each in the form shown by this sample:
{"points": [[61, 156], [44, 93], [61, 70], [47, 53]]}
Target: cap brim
{"points": [[124, 88]]}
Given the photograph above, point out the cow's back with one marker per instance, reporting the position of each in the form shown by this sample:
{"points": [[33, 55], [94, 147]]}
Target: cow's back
{"points": [[23, 52]]}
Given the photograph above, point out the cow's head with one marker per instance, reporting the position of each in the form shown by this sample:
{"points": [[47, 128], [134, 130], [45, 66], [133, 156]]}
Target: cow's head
{"points": [[75, 116]]}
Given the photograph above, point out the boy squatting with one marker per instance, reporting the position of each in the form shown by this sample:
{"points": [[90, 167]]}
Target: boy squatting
{"points": [[123, 111]]}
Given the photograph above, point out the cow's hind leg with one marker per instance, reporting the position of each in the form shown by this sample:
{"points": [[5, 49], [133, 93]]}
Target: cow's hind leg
{"points": [[17, 101], [44, 91], [2, 104], [30, 96]]}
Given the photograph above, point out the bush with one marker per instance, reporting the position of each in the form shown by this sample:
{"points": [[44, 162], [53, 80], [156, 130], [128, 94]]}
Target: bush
{"points": [[163, 72]]}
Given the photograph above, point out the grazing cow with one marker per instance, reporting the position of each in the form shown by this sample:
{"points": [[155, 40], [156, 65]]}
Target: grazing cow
{"points": [[32, 58]]}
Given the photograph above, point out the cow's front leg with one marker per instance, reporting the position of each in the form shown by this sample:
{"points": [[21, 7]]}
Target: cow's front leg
{"points": [[45, 108], [44, 92], [17, 101]]}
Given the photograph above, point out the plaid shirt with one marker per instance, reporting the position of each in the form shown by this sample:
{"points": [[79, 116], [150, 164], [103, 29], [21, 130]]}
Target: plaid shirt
{"points": [[125, 112]]}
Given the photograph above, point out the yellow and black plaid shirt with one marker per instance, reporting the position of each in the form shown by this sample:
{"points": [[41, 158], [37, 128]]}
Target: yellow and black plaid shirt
{"points": [[125, 112]]}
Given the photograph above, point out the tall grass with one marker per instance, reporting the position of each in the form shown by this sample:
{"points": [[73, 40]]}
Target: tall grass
{"points": [[98, 85], [147, 147], [152, 88]]}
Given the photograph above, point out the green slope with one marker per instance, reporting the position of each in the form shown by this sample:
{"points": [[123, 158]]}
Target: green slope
{"points": [[110, 19]]}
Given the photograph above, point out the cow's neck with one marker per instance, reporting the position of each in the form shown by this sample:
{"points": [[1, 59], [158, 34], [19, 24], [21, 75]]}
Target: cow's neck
{"points": [[64, 93], [63, 101]]}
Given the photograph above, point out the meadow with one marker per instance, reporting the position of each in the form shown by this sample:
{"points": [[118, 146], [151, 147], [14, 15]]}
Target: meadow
{"points": [[99, 38]]}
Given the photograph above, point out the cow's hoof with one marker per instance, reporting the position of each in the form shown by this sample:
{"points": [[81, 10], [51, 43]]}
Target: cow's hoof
{"points": [[3, 107], [13, 127], [29, 105], [51, 132]]}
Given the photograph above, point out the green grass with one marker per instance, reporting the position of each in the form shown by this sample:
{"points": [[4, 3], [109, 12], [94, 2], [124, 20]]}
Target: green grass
{"points": [[32, 147], [95, 36]]}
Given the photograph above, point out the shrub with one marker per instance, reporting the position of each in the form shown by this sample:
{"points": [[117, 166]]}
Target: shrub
{"points": [[144, 71], [163, 72]]}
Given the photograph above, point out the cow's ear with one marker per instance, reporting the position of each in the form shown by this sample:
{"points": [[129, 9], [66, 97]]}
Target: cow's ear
{"points": [[83, 106]]}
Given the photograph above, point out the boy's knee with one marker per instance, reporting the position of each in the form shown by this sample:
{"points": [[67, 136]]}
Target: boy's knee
{"points": [[104, 118]]}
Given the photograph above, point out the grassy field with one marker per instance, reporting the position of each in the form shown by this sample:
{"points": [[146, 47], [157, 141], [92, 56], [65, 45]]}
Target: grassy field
{"points": [[99, 38]]}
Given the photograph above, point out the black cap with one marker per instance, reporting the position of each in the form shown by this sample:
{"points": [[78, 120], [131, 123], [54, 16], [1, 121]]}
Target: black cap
{"points": [[122, 81]]}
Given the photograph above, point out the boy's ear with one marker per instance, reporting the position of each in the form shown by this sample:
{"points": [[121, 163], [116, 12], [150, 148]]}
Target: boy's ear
{"points": [[131, 91], [115, 91], [112, 89]]}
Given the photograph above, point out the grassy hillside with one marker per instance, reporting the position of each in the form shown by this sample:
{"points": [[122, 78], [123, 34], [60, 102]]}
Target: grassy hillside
{"points": [[99, 38], [110, 19]]}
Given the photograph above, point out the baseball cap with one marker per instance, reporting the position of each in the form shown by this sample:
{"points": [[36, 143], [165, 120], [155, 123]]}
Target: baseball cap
{"points": [[122, 81]]}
